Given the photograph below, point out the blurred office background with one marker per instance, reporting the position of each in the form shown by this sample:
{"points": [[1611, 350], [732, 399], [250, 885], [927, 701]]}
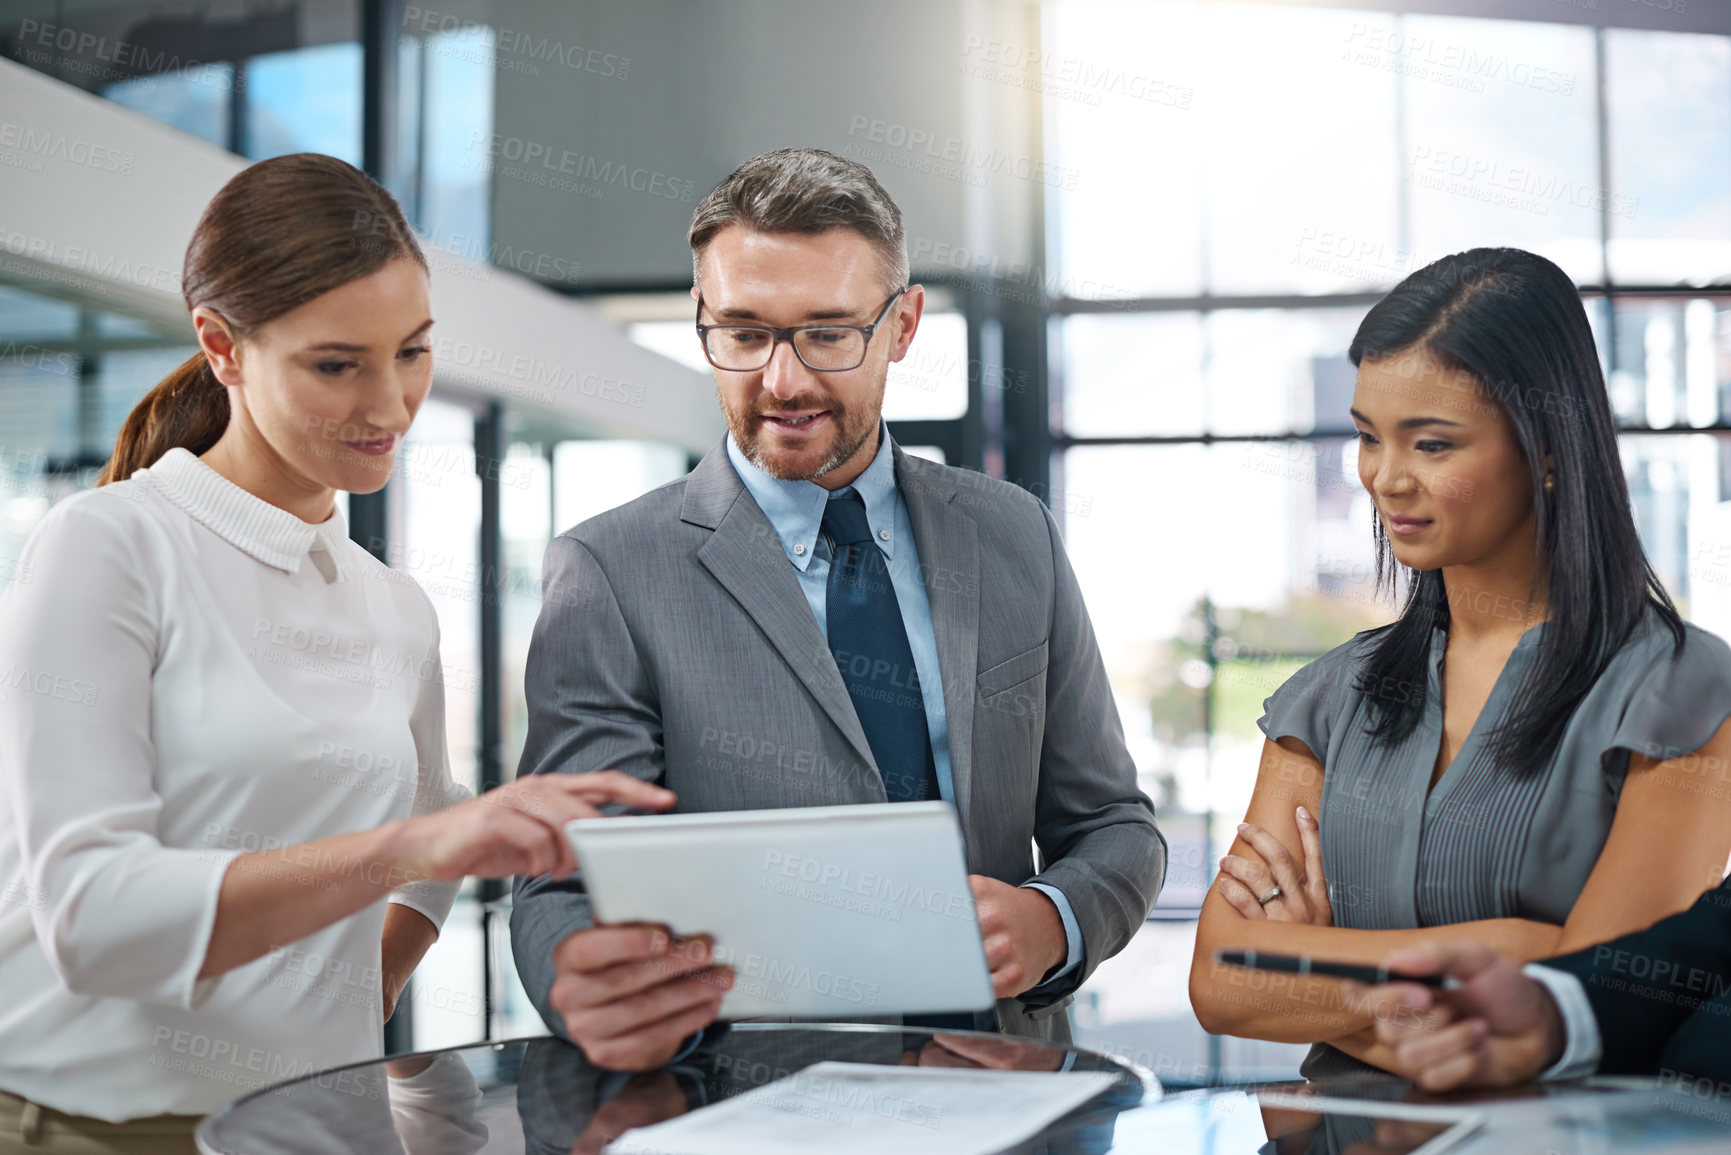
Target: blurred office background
{"points": [[1149, 228]]}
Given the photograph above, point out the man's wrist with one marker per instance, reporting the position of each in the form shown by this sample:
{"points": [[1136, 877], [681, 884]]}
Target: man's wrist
{"points": [[1058, 942], [1072, 952], [1554, 1038], [1568, 1033]]}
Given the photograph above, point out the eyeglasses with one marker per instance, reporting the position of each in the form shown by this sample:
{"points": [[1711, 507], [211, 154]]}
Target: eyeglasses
{"points": [[823, 348]]}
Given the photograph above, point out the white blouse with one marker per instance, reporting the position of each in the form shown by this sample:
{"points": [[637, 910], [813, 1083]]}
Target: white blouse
{"points": [[188, 673]]}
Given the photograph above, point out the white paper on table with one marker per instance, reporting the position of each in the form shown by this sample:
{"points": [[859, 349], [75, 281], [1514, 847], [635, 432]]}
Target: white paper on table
{"points": [[867, 1109]]}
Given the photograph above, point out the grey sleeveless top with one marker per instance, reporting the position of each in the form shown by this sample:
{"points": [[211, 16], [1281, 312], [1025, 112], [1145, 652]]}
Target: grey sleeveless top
{"points": [[1485, 843]]}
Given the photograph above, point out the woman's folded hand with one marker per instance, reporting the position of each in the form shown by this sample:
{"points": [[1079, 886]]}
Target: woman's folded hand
{"points": [[1277, 888]]}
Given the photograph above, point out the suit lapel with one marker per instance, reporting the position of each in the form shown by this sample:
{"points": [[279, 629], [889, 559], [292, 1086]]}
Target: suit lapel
{"points": [[948, 541], [744, 555]]}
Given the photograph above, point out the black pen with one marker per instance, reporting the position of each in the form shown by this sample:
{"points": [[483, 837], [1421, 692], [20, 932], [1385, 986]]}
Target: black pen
{"points": [[1315, 968]]}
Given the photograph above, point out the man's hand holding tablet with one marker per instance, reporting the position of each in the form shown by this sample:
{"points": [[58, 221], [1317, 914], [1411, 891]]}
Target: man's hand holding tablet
{"points": [[828, 913], [632, 995], [1022, 931]]}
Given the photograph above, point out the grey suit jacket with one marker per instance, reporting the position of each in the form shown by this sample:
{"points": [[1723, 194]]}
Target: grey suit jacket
{"points": [[674, 643]]}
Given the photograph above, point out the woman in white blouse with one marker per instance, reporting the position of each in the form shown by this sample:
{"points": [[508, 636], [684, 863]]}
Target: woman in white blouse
{"points": [[222, 722]]}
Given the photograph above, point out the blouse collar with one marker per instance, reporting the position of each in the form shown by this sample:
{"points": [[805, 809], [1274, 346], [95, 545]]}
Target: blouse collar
{"points": [[252, 525]]}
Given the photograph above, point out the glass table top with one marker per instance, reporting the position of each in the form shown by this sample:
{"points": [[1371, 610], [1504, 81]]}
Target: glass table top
{"points": [[541, 1096]]}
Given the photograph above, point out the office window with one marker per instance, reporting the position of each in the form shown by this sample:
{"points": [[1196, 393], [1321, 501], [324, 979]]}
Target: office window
{"points": [[436, 501], [1668, 107], [1673, 370], [931, 382], [197, 100], [1125, 217], [1272, 371], [591, 477], [1299, 147], [68, 377], [675, 339], [1133, 374], [1673, 358], [307, 100], [182, 64], [1246, 371], [122, 379], [526, 513], [1675, 487], [1195, 640], [1175, 183], [439, 546], [455, 207], [24, 314], [1500, 140], [38, 423]]}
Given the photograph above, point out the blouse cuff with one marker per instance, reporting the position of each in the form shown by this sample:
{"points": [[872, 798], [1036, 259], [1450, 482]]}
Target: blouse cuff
{"points": [[197, 989], [139, 929], [431, 899]]}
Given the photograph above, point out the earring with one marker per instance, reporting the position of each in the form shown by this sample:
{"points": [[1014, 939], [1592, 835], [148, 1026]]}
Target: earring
{"points": [[1550, 482]]}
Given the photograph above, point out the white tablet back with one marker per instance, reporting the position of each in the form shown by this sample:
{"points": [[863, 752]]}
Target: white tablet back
{"points": [[833, 912]]}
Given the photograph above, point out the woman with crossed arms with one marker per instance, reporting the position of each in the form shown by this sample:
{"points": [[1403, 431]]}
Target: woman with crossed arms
{"points": [[228, 743], [1506, 761]]}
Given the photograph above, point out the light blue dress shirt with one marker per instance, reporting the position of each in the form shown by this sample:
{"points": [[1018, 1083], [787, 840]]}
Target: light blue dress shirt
{"points": [[1582, 1045], [795, 511]]}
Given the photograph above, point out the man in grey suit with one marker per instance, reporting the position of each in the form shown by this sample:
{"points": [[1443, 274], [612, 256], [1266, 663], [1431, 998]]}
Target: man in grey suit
{"points": [[814, 618]]}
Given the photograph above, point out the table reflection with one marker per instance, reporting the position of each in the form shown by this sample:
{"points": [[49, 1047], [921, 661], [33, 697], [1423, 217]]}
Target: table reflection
{"points": [[1293, 1132], [566, 1105], [541, 1096], [427, 1105]]}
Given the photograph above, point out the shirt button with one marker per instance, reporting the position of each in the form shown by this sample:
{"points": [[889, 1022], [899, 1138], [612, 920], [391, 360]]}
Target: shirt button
{"points": [[799, 551], [883, 535]]}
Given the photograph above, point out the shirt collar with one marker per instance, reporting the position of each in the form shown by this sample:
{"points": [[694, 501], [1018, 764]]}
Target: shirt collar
{"points": [[795, 508], [252, 525]]}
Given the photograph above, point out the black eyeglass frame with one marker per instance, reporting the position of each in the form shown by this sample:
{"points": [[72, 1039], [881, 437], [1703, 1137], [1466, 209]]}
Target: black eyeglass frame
{"points": [[780, 335]]}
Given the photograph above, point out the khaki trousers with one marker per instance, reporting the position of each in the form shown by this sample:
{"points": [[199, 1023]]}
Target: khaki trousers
{"points": [[29, 1129]]}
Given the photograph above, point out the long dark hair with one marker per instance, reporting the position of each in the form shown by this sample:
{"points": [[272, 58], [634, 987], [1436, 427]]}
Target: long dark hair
{"points": [[1514, 323], [277, 235]]}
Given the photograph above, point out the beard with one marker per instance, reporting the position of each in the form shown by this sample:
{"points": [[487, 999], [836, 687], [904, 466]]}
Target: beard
{"points": [[851, 429]]}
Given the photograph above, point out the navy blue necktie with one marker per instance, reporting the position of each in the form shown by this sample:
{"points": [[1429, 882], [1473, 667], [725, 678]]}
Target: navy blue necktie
{"points": [[871, 649]]}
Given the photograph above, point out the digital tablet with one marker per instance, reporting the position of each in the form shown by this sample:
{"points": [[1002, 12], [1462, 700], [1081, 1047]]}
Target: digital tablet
{"points": [[1259, 1122], [830, 912]]}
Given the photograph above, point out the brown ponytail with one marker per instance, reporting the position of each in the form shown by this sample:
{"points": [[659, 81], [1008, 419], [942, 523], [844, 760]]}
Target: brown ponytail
{"points": [[277, 235], [188, 408]]}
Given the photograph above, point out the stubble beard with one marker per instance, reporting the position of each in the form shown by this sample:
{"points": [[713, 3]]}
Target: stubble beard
{"points": [[848, 441]]}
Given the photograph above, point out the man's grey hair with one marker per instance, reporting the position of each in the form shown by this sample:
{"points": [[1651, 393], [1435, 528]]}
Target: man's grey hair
{"points": [[804, 190]]}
